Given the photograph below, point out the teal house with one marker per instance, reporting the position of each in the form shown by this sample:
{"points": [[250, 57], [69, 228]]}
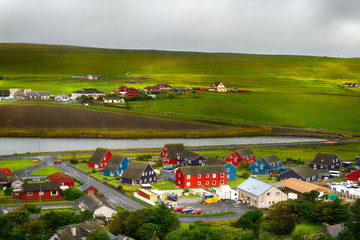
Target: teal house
{"points": [[116, 166], [265, 165], [231, 171]]}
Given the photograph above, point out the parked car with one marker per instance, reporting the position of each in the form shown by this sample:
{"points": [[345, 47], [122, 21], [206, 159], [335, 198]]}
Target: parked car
{"points": [[178, 208], [351, 184], [354, 167], [187, 210], [171, 178], [171, 197], [334, 173], [197, 211], [57, 161]]}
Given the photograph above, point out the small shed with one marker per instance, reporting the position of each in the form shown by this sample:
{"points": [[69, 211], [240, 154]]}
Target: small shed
{"points": [[147, 194], [35, 163]]}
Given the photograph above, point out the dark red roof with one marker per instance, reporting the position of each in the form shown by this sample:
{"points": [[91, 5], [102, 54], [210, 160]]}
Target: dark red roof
{"points": [[59, 175]]}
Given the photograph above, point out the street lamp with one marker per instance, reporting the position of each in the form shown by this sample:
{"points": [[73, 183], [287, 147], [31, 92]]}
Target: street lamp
{"points": [[40, 192]]}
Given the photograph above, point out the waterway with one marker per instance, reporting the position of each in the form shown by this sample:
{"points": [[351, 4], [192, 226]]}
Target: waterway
{"points": [[38, 145]]}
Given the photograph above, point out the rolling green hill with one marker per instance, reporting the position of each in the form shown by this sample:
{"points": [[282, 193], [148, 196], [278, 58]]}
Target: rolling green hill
{"points": [[302, 91]]}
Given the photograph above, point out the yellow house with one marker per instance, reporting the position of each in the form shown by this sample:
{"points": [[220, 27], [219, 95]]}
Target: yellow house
{"points": [[113, 100], [218, 87]]}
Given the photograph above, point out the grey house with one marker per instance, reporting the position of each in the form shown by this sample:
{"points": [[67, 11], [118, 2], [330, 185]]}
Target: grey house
{"points": [[188, 158], [90, 92], [325, 161], [304, 173], [139, 173]]}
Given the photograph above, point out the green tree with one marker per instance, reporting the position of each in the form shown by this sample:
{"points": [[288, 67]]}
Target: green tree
{"points": [[147, 230], [282, 217], [55, 220], [353, 223], [6, 227], [98, 236], [18, 217], [143, 158], [336, 212], [87, 215], [250, 220], [31, 208], [72, 193], [311, 196], [304, 209], [118, 222], [37, 228]]}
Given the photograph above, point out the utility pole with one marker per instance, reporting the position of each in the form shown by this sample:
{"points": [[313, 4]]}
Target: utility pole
{"points": [[40, 193]]}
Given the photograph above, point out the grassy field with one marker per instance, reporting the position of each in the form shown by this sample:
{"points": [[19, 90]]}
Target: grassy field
{"points": [[46, 171], [299, 91], [17, 164]]}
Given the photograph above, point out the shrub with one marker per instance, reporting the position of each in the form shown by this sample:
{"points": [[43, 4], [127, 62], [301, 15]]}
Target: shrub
{"points": [[72, 193], [30, 208], [158, 164], [143, 158], [93, 171], [8, 192], [74, 161]]}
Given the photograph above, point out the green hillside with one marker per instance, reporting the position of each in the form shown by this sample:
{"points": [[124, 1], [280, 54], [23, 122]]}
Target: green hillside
{"points": [[286, 90]]}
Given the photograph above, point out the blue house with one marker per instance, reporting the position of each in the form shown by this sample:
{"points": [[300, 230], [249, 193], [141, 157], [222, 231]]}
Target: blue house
{"points": [[116, 166], [230, 168], [187, 158], [265, 165], [231, 171]]}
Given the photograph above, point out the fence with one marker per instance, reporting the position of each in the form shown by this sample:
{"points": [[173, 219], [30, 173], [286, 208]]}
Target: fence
{"points": [[14, 201], [348, 196]]}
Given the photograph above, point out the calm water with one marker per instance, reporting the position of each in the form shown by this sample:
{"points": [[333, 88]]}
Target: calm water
{"points": [[23, 145]]}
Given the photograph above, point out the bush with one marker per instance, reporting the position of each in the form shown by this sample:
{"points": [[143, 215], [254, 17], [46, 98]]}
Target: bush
{"points": [[72, 193], [143, 158], [245, 175], [93, 171], [30, 208], [74, 161], [158, 164], [8, 192]]}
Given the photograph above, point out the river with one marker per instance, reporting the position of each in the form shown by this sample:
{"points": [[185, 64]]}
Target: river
{"points": [[35, 145]]}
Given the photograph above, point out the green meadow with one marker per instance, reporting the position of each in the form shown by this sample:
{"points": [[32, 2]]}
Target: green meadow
{"points": [[301, 91]]}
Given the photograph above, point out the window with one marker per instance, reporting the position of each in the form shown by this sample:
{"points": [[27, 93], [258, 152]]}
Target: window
{"points": [[277, 194], [199, 176], [29, 193], [145, 173], [228, 169], [144, 180], [263, 203], [41, 193], [214, 175], [188, 184], [54, 193], [261, 166], [269, 202], [222, 182], [222, 175], [207, 182], [214, 182], [256, 169], [268, 194], [207, 175], [199, 183], [256, 164], [154, 179], [91, 191], [188, 176]]}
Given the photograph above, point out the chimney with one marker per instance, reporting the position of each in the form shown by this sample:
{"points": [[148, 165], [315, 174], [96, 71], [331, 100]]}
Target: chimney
{"points": [[73, 230]]}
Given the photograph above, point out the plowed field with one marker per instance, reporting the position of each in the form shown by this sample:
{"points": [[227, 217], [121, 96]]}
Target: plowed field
{"points": [[59, 117]]}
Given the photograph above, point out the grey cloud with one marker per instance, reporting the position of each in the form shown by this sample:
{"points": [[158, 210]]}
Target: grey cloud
{"points": [[314, 27]]}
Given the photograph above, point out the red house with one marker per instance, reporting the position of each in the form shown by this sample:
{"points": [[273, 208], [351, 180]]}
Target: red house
{"points": [[87, 188], [62, 178], [41, 191], [132, 92], [201, 176], [354, 176], [170, 151], [122, 90], [99, 159], [241, 156]]}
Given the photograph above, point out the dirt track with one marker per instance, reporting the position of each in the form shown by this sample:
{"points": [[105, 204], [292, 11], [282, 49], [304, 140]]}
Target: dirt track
{"points": [[59, 117]]}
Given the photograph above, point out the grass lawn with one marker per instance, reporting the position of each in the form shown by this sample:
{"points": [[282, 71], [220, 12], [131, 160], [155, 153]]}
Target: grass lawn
{"points": [[56, 210], [235, 183], [17, 164], [164, 184], [184, 226], [2, 195], [46, 171], [311, 228]]}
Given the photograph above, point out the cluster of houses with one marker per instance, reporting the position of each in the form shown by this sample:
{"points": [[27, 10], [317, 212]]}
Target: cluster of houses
{"points": [[123, 91]]}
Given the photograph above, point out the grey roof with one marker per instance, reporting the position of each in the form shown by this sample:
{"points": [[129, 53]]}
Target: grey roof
{"points": [[88, 91], [113, 163], [134, 170], [174, 149], [3, 177], [82, 230], [272, 160], [334, 230], [254, 186], [93, 202], [84, 187], [111, 98], [188, 154], [37, 93], [304, 171], [62, 95], [35, 187], [4, 93], [16, 177], [214, 161], [98, 155], [323, 158], [203, 170], [123, 237], [245, 153]]}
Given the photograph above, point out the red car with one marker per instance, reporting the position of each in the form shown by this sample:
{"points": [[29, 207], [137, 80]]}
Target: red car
{"points": [[178, 208], [57, 161], [197, 211]]}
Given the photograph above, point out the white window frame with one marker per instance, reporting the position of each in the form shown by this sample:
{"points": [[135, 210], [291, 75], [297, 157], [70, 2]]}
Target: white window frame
{"points": [[199, 183], [222, 175], [207, 175], [214, 175], [214, 182], [52, 193], [222, 182], [41, 193], [207, 182], [188, 176], [29, 193], [199, 176], [188, 184]]}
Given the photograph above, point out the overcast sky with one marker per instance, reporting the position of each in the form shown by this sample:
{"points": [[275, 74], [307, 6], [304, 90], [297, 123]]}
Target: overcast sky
{"points": [[304, 27]]}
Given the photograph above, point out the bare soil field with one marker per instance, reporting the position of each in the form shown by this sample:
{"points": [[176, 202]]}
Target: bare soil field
{"points": [[13, 116]]}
